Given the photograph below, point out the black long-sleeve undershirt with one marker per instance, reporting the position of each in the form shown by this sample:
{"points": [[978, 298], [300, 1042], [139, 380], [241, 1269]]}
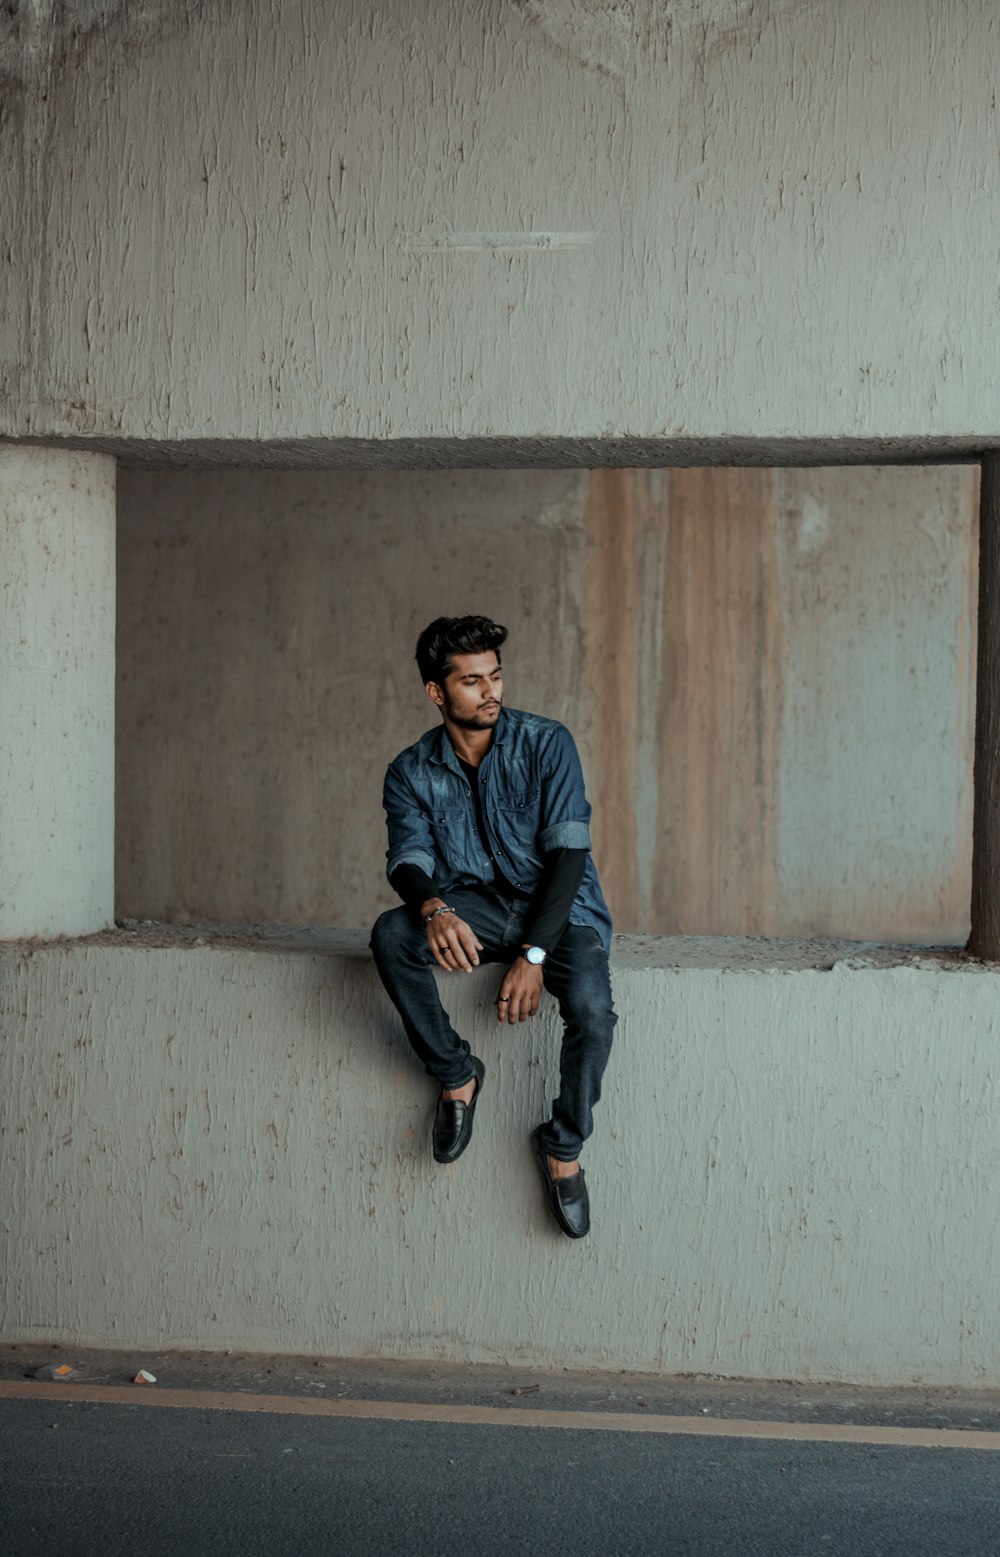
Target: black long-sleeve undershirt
{"points": [[550, 905]]}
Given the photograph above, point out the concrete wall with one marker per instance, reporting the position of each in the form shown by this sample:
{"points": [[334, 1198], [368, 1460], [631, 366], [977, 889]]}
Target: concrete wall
{"points": [[793, 1176], [57, 691], [769, 674], [297, 231], [548, 219]]}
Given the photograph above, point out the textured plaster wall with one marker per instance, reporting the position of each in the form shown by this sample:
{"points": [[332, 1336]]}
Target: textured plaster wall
{"points": [[57, 691], [791, 1174], [546, 219], [769, 674]]}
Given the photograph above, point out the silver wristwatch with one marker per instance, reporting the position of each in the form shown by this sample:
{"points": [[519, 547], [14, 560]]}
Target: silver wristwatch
{"points": [[536, 955]]}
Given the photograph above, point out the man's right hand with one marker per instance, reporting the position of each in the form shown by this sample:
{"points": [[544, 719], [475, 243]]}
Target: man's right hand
{"points": [[454, 943]]}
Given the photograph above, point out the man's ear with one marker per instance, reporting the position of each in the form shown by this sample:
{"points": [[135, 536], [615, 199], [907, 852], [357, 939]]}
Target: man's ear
{"points": [[434, 693]]}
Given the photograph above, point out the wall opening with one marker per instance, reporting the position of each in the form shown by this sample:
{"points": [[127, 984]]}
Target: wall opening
{"points": [[769, 672]]}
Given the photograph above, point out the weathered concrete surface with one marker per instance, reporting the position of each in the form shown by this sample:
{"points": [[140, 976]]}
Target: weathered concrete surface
{"points": [[57, 691], [226, 1147], [879, 621], [550, 220], [769, 673]]}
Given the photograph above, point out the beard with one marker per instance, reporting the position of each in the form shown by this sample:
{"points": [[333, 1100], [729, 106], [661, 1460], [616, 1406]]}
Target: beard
{"points": [[476, 721]]}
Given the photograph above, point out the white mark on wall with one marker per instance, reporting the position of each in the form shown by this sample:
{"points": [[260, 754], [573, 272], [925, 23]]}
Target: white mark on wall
{"points": [[814, 526], [498, 242]]}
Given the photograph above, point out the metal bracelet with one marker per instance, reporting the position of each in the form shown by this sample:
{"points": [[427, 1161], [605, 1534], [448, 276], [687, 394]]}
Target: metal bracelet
{"points": [[444, 909]]}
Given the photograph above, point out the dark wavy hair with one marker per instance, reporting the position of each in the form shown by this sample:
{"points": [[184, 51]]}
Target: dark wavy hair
{"points": [[455, 635]]}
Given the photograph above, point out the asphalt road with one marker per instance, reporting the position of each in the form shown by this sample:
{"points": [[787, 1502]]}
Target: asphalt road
{"points": [[83, 1479]]}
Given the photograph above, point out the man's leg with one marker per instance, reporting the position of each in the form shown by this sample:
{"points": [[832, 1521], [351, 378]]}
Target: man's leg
{"points": [[577, 974], [406, 967]]}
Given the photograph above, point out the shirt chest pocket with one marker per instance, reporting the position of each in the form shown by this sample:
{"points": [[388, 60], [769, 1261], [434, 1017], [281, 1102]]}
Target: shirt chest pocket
{"points": [[449, 826], [445, 817], [519, 810], [520, 802]]}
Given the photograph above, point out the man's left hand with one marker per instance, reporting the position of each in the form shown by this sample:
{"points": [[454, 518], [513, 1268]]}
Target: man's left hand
{"points": [[520, 992]]}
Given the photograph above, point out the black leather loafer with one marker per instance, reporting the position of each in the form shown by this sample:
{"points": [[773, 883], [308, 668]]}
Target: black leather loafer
{"points": [[568, 1198], [453, 1120]]}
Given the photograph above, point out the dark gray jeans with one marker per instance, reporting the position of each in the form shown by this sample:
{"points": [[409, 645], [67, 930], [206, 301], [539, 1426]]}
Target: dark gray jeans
{"points": [[575, 972]]}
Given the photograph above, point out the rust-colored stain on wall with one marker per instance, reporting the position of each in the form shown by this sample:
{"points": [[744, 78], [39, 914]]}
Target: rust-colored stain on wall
{"points": [[685, 657], [615, 518], [721, 705]]}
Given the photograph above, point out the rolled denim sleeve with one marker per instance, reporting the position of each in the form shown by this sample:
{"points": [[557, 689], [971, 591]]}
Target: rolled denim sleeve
{"points": [[410, 840], [564, 811]]}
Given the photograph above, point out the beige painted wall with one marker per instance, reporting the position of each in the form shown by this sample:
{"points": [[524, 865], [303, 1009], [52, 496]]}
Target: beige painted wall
{"points": [[769, 675], [555, 218], [229, 1147]]}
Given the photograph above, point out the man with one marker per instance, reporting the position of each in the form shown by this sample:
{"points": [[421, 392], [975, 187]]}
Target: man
{"points": [[489, 848]]}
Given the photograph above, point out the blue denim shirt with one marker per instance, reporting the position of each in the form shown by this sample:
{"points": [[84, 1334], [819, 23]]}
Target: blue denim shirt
{"points": [[532, 792]]}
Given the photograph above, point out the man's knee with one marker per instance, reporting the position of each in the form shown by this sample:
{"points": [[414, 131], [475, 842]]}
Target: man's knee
{"points": [[592, 1010], [587, 1001], [586, 988], [391, 933]]}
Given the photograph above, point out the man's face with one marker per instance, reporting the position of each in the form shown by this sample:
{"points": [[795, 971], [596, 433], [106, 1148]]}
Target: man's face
{"points": [[472, 691]]}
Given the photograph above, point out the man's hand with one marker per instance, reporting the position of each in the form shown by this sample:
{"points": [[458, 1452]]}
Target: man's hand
{"points": [[520, 992], [454, 943]]}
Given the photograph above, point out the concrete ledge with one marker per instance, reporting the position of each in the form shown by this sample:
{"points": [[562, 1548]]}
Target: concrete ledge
{"points": [[630, 951], [794, 1174], [629, 451]]}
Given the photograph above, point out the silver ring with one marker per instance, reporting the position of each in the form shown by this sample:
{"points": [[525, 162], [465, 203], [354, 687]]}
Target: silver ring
{"points": [[503, 1000]]}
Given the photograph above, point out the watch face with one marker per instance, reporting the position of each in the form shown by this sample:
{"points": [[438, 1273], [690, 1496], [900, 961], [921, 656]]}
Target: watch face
{"points": [[535, 954]]}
